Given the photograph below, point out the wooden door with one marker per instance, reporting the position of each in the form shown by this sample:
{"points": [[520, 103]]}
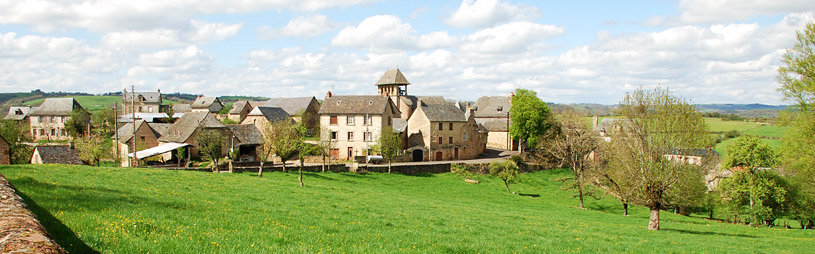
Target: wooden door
{"points": [[455, 153], [350, 153], [438, 156]]}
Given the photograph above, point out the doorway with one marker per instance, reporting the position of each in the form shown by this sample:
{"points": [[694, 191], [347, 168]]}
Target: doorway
{"points": [[438, 156], [455, 153], [418, 155]]}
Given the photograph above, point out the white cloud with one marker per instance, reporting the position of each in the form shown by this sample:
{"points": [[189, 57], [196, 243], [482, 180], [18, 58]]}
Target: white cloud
{"points": [[300, 27], [198, 33], [726, 11], [387, 32], [486, 13], [511, 37]]}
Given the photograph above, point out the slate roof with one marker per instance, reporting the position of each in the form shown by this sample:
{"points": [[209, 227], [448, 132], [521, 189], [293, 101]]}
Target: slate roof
{"points": [[153, 97], [492, 106], [247, 134], [56, 107], [273, 114], [357, 104], [399, 125], [433, 100], [238, 107], [204, 102], [293, 106], [182, 129], [444, 113], [181, 108], [58, 155], [18, 113], [393, 77], [493, 124], [126, 131]]}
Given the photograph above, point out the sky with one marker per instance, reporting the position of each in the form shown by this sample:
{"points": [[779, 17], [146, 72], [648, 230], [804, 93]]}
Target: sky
{"points": [[706, 51]]}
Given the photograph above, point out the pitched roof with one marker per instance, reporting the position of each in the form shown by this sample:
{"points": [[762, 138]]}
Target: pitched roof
{"points": [[239, 106], [492, 106], [444, 113], [247, 134], [56, 107], [181, 108], [432, 100], [182, 129], [357, 104], [493, 124], [393, 77], [204, 102], [154, 97], [18, 113], [126, 131], [399, 125], [58, 155], [292, 106], [273, 114]]}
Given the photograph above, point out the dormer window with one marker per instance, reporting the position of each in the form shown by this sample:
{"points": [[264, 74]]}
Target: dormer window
{"points": [[500, 109]]}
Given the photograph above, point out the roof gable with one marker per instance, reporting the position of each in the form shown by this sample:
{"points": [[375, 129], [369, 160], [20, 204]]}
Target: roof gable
{"points": [[292, 106], [358, 104], [492, 106], [205, 102], [238, 107], [57, 155], [182, 129], [18, 113], [273, 114], [56, 107], [444, 113], [151, 97], [393, 77]]}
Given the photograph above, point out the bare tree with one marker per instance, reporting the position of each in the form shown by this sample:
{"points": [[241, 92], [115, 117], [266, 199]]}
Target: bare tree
{"points": [[655, 122], [573, 142], [326, 145]]}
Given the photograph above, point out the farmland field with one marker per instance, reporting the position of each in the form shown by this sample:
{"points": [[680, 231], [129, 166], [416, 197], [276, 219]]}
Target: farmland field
{"points": [[120, 210], [92, 103]]}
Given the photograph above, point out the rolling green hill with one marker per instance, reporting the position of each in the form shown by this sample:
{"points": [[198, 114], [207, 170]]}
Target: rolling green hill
{"points": [[120, 210], [94, 103]]}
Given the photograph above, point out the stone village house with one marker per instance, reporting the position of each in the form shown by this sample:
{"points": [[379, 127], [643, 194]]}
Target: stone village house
{"points": [[262, 116], [144, 102], [355, 122], [55, 154], [187, 129], [47, 122], [493, 113], [442, 131], [239, 111], [207, 104], [147, 135], [301, 109]]}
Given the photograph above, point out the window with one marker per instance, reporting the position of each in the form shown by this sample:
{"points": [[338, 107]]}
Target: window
{"points": [[500, 109], [464, 136], [333, 120], [149, 109], [141, 138], [450, 140], [350, 120], [368, 120], [368, 136], [451, 126], [440, 141], [441, 126], [350, 136], [333, 135], [390, 121]]}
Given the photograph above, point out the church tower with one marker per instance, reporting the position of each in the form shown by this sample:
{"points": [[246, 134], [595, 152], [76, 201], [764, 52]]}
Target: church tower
{"points": [[393, 83]]}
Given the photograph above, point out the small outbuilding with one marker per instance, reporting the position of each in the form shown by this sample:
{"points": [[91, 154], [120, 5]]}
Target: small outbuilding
{"points": [[55, 154]]}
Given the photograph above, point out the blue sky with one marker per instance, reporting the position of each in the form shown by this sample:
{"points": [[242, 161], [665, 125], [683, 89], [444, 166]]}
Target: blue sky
{"points": [[708, 51]]}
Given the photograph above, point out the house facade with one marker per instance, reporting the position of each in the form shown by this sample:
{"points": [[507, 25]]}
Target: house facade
{"points": [[147, 135], [354, 123], [47, 122], [187, 129], [239, 111], [141, 102], [493, 113], [262, 116], [443, 131]]}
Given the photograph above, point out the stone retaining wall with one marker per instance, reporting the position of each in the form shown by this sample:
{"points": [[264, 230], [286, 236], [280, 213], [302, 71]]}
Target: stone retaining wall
{"points": [[20, 231]]}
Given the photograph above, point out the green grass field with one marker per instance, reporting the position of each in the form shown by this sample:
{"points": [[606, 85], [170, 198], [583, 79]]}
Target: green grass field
{"points": [[93, 103], [119, 210]]}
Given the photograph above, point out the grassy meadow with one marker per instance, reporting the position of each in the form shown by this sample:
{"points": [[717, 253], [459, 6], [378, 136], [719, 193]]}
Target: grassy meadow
{"points": [[93, 103], [121, 210]]}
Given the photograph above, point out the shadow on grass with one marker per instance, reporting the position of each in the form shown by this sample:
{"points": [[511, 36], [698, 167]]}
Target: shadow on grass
{"points": [[64, 236], [685, 231], [606, 208], [317, 176], [528, 195]]}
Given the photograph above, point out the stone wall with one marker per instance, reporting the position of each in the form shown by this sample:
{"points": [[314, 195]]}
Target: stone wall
{"points": [[5, 153], [407, 169], [20, 231]]}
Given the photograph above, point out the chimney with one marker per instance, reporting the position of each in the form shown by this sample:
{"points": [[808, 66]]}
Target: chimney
{"points": [[159, 91], [468, 106], [511, 95], [328, 94]]}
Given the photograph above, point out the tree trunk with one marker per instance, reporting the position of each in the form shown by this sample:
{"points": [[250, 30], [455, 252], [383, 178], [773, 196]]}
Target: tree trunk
{"points": [[625, 208], [507, 184], [323, 163], [389, 166], [260, 169], [579, 185], [653, 222], [711, 214], [301, 175], [284, 167]]}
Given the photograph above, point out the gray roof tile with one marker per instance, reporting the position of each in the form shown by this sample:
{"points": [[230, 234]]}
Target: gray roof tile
{"points": [[492, 106], [58, 155], [357, 104], [393, 77], [56, 107], [293, 106]]}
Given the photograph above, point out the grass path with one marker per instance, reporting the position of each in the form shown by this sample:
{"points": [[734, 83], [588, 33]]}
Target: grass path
{"points": [[115, 210]]}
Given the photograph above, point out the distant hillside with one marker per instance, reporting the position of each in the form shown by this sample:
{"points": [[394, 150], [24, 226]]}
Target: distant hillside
{"points": [[742, 110]]}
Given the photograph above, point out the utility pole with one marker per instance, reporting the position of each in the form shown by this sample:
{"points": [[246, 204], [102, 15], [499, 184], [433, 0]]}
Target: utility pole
{"points": [[116, 130], [133, 111]]}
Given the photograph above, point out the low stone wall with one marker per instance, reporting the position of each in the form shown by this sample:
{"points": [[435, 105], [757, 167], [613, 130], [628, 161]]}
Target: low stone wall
{"points": [[407, 169], [20, 231]]}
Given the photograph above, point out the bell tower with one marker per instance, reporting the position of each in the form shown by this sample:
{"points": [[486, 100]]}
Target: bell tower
{"points": [[392, 83]]}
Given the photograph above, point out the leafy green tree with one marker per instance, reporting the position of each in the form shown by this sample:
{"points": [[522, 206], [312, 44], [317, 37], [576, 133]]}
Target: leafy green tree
{"points": [[285, 140], [505, 170], [77, 123], [654, 123], [761, 195], [325, 147], [180, 154], [529, 116], [211, 145], [14, 133], [305, 150], [573, 143], [92, 149], [797, 79], [389, 145], [105, 118]]}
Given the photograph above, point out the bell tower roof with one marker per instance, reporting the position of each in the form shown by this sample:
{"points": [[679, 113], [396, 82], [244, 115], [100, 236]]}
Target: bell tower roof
{"points": [[393, 77]]}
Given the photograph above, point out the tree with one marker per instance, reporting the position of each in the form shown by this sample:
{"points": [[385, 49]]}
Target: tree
{"points": [[180, 153], [389, 145], [529, 116], [285, 140], [305, 149], [326, 145], [92, 149], [506, 170], [211, 145], [797, 79], [77, 123], [654, 123], [105, 118], [14, 133], [573, 143], [750, 188], [613, 182], [266, 147]]}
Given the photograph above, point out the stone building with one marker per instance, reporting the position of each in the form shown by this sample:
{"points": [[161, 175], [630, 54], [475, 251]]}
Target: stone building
{"points": [[207, 104], [442, 131], [262, 116], [47, 122], [57, 154], [19, 113], [144, 102], [493, 113], [239, 111], [147, 135], [5, 153], [300, 109], [187, 129], [355, 122]]}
